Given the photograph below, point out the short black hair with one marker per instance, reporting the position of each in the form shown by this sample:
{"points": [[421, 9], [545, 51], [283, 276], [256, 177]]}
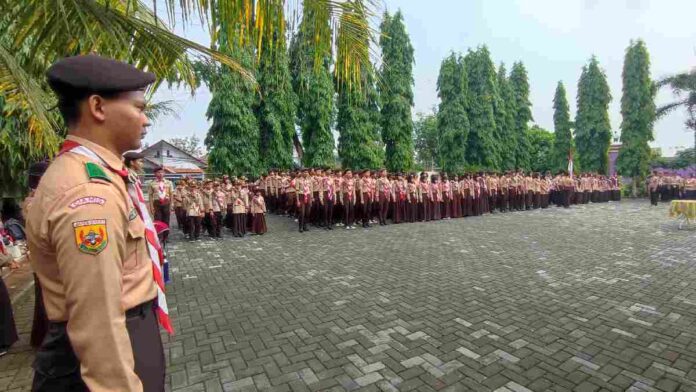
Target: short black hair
{"points": [[69, 99]]}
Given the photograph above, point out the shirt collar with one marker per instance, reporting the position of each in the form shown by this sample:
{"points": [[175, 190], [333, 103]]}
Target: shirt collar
{"points": [[114, 161]]}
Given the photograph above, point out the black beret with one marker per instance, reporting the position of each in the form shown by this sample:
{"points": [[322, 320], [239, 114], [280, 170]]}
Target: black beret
{"points": [[98, 74]]}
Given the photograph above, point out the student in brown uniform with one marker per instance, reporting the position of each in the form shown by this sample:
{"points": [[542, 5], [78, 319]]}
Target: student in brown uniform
{"points": [[219, 204], [258, 211], [446, 204], [239, 210], [327, 198], [91, 239], [365, 197], [194, 211], [160, 193], [383, 194], [178, 202], [305, 193], [348, 199], [426, 198]]}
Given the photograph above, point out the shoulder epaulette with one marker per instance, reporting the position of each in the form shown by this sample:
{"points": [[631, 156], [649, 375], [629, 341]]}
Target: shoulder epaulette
{"points": [[95, 171]]}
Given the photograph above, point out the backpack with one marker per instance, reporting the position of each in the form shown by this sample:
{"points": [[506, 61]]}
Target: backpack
{"points": [[15, 229]]}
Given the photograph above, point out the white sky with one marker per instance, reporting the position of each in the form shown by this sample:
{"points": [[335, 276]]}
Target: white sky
{"points": [[554, 39]]}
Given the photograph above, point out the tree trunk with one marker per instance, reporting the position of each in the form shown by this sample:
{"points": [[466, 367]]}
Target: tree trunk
{"points": [[298, 146], [634, 187]]}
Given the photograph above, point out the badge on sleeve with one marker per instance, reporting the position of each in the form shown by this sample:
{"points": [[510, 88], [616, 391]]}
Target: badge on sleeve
{"points": [[90, 236]]}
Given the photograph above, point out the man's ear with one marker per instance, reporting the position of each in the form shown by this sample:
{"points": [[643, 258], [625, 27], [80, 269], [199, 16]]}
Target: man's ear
{"points": [[95, 107]]}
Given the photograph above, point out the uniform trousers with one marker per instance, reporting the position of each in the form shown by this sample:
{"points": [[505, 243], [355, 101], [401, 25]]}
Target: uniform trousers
{"points": [[39, 326], [348, 210], [537, 200], [566, 198], [315, 216], [436, 210], [180, 217], [383, 207], [446, 207], [161, 212], [457, 205], [291, 205], [366, 208], [492, 201], [8, 329], [426, 206], [411, 209], [328, 210], [194, 226], [217, 224], [57, 369], [304, 209], [503, 200]]}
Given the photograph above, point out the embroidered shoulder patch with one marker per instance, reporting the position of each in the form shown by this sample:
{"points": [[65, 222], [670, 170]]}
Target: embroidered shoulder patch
{"points": [[133, 213], [90, 236], [95, 171], [87, 200]]}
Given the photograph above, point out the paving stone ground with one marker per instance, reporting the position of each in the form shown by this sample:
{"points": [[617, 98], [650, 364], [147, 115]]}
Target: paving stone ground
{"points": [[592, 298]]}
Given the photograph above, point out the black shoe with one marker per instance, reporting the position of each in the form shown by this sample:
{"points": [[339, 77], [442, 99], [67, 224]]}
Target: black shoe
{"points": [[304, 228], [300, 230]]}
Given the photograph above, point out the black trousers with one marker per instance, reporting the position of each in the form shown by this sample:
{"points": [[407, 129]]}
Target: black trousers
{"points": [[653, 197], [57, 369], [194, 226], [366, 209], [217, 224], [383, 208], [327, 210], [161, 212], [303, 212], [348, 211], [8, 330]]}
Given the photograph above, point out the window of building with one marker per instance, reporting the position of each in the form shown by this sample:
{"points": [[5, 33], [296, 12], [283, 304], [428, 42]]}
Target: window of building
{"points": [[169, 154]]}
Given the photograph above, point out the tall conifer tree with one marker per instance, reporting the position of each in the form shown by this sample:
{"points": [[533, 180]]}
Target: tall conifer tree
{"points": [[638, 112], [396, 92], [276, 109], [563, 142], [452, 119], [523, 114], [505, 120], [592, 127], [482, 149], [314, 87], [359, 141], [233, 138]]}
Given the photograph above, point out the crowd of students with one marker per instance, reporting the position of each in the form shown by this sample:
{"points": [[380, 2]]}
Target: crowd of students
{"points": [[667, 187], [327, 198], [211, 205]]}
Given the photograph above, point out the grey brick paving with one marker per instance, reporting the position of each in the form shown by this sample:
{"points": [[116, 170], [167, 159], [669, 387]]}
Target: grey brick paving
{"points": [[595, 298]]}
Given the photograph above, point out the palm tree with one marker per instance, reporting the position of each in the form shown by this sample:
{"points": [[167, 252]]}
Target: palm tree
{"points": [[683, 86], [35, 33]]}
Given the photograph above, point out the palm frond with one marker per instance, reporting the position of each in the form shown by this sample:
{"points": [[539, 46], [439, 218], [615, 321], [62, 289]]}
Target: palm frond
{"points": [[23, 95], [158, 110], [666, 109]]}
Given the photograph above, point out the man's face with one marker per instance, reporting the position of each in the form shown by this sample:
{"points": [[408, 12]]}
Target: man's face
{"points": [[137, 165], [159, 174], [124, 117]]}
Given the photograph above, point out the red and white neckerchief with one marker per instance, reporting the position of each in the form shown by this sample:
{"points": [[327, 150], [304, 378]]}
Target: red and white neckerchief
{"points": [[161, 191], [328, 184], [153, 245], [305, 190]]}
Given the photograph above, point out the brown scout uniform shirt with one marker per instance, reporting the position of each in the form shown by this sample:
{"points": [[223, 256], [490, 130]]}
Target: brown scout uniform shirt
{"points": [[88, 249]]}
